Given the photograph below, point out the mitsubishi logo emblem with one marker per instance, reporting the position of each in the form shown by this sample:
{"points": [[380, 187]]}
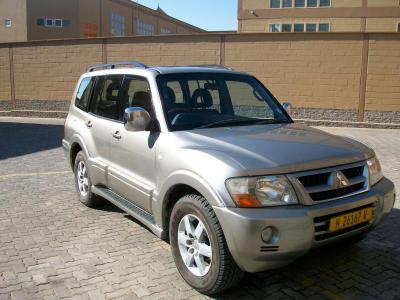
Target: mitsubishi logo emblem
{"points": [[341, 179]]}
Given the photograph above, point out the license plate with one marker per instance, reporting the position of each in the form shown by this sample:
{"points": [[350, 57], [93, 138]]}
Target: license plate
{"points": [[350, 219]]}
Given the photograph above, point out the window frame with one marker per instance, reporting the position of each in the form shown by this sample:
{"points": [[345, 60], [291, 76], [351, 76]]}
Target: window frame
{"points": [[287, 7], [94, 78], [302, 24], [125, 79], [291, 27], [280, 4], [48, 19], [305, 4], [7, 22], [90, 106], [314, 24], [329, 27], [58, 20], [327, 6]]}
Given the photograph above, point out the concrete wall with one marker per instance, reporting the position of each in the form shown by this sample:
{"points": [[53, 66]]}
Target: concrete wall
{"points": [[323, 75]]}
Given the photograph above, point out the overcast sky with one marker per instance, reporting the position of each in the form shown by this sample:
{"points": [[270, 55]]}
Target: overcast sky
{"points": [[207, 14]]}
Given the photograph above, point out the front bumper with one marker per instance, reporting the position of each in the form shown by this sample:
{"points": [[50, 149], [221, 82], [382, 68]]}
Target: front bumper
{"points": [[294, 227]]}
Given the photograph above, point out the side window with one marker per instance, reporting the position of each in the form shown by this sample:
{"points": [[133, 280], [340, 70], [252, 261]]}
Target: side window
{"points": [[136, 93], [83, 94], [105, 97]]}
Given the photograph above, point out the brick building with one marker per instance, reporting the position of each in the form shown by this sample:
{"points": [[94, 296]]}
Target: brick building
{"points": [[319, 15], [25, 20]]}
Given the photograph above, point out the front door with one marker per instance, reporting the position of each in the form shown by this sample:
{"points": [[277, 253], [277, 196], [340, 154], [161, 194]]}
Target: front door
{"points": [[132, 171]]}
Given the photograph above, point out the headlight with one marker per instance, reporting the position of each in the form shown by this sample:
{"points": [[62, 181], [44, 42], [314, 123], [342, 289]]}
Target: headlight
{"points": [[261, 191], [374, 170]]}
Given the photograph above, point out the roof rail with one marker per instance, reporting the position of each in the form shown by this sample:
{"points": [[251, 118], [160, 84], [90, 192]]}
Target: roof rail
{"points": [[133, 64], [212, 67]]}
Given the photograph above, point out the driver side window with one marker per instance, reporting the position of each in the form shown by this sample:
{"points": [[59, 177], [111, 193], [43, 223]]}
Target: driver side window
{"points": [[136, 93]]}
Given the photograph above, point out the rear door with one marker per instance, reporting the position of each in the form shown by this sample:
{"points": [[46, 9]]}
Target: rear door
{"points": [[103, 115], [132, 167]]}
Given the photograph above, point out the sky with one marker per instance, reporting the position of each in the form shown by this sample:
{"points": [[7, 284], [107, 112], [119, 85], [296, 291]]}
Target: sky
{"points": [[212, 15]]}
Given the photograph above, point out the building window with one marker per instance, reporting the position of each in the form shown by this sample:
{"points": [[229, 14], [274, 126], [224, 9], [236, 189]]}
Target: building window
{"points": [[274, 28], [40, 22], [49, 22], [324, 3], [286, 27], [298, 27], [165, 31], [312, 3], [143, 28], [287, 3], [117, 25], [66, 23], [275, 3], [324, 27], [398, 27], [299, 3], [7, 23], [311, 27], [58, 23]]}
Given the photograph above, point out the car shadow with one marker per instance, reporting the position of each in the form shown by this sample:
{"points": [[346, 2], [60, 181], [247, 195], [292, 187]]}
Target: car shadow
{"points": [[18, 139]]}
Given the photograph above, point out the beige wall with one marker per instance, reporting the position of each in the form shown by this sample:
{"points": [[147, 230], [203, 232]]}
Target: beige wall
{"points": [[382, 24], [60, 9], [50, 71], [108, 8], [5, 88], [382, 3], [16, 11], [347, 3], [309, 73], [312, 71], [89, 18], [383, 84]]}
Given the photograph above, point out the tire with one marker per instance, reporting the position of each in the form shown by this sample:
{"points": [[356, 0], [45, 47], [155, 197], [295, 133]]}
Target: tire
{"points": [[85, 194], [220, 272]]}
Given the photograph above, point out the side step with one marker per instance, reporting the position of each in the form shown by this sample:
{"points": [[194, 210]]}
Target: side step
{"points": [[135, 211]]}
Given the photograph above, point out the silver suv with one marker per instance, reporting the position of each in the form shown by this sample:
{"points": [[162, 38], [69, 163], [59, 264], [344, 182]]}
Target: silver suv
{"points": [[210, 161]]}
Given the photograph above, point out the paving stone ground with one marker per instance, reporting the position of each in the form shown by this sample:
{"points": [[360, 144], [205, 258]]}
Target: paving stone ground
{"points": [[52, 247]]}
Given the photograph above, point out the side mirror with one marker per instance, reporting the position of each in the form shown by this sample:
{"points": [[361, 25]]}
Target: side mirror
{"points": [[288, 107], [136, 119]]}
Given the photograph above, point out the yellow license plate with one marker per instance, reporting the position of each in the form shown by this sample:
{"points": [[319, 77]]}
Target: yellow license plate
{"points": [[350, 219]]}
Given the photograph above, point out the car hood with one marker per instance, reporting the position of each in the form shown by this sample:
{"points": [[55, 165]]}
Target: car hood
{"points": [[276, 148]]}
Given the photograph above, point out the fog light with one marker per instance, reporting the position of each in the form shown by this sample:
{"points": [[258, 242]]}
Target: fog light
{"points": [[267, 234]]}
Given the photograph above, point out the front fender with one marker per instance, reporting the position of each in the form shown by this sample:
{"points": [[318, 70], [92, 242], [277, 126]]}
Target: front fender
{"points": [[182, 177]]}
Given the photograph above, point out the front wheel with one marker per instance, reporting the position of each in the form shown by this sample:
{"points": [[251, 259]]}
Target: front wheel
{"points": [[199, 247], [83, 183]]}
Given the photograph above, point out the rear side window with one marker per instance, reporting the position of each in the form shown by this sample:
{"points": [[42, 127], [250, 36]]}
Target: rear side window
{"points": [[83, 94], [105, 99]]}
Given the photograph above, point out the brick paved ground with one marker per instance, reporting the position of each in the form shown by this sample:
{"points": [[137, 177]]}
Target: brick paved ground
{"points": [[52, 247]]}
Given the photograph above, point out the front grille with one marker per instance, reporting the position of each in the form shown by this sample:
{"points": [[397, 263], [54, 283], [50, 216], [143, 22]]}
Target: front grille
{"points": [[353, 172], [334, 183], [269, 248], [314, 179], [321, 224], [338, 193]]}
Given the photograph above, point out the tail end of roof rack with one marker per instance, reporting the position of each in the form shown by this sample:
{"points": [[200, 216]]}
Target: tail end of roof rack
{"points": [[131, 64]]}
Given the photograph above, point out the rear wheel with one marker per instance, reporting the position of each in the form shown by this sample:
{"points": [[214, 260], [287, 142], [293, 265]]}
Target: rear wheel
{"points": [[199, 247], [83, 183]]}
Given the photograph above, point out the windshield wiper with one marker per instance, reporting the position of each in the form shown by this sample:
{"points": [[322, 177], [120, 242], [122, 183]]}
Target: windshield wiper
{"points": [[224, 122]]}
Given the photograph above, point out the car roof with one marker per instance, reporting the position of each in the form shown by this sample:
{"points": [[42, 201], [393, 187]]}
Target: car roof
{"points": [[155, 70]]}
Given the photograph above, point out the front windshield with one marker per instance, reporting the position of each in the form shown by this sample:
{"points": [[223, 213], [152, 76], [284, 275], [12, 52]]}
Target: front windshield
{"points": [[205, 100]]}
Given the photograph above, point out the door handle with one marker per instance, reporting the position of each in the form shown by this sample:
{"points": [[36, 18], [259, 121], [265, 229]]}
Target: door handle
{"points": [[89, 124], [116, 135]]}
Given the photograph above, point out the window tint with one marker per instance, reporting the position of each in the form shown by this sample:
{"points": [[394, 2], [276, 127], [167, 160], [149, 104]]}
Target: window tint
{"points": [[83, 94], [136, 93], [105, 97], [287, 3], [286, 27], [324, 27], [312, 3], [275, 3], [311, 27], [298, 27], [325, 3]]}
